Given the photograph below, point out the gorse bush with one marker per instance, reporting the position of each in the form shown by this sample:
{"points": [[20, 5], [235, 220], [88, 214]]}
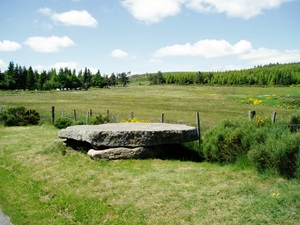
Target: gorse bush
{"points": [[227, 141], [266, 146], [19, 116], [261, 121], [101, 119], [294, 123], [63, 122], [279, 151]]}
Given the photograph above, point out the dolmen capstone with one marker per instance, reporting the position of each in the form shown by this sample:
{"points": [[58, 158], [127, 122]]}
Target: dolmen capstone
{"points": [[128, 140]]}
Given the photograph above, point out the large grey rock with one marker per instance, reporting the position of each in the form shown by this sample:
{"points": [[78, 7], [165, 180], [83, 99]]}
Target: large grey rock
{"points": [[130, 134]]}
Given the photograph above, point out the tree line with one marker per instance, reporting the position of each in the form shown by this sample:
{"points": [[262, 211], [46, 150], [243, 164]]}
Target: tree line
{"points": [[18, 77], [272, 74]]}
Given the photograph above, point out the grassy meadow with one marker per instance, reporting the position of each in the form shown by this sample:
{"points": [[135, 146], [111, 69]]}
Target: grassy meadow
{"points": [[178, 103], [44, 182]]}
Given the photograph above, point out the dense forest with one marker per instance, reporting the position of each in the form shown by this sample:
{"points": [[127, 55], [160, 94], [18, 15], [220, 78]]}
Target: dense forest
{"points": [[272, 74], [18, 77]]}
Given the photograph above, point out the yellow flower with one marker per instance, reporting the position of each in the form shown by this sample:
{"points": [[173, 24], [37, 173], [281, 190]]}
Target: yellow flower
{"points": [[257, 102], [135, 120]]}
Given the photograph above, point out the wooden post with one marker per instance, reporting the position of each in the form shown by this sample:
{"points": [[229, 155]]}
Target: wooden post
{"points": [[198, 128], [53, 115], [251, 114], [132, 115], [75, 115], [162, 117], [91, 112], [274, 117], [107, 112], [1, 109]]}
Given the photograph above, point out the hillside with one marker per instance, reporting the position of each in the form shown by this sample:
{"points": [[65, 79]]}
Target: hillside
{"points": [[272, 74]]}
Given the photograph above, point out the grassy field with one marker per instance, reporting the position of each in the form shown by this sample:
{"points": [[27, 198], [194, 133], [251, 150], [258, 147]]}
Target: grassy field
{"points": [[42, 182], [179, 103]]}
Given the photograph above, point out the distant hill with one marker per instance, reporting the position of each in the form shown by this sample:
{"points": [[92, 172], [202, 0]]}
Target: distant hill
{"points": [[272, 74]]}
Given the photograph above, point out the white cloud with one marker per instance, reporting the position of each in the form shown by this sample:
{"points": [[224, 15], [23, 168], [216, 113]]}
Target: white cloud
{"points": [[264, 56], [9, 46], [71, 18], [45, 11], [205, 48], [242, 50], [118, 53], [152, 11], [49, 44], [234, 8], [70, 65], [3, 65]]}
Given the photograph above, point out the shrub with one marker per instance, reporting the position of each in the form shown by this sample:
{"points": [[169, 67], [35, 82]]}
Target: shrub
{"points": [[63, 122], [294, 123], [268, 147], [279, 151], [227, 141], [101, 119], [261, 121], [19, 116]]}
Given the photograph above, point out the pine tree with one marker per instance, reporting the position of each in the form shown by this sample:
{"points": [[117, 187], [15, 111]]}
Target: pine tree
{"points": [[87, 79], [31, 81]]}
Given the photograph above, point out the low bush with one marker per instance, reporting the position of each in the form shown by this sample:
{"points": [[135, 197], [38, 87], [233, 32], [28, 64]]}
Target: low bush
{"points": [[19, 116], [266, 146], [294, 123], [279, 151], [63, 122], [101, 119], [227, 141]]}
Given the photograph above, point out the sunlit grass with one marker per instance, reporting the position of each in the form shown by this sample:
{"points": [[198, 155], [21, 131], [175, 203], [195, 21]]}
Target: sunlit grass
{"points": [[42, 185], [178, 103], [43, 182]]}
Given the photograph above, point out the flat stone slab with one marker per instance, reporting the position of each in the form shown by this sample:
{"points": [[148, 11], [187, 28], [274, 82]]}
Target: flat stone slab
{"points": [[130, 134]]}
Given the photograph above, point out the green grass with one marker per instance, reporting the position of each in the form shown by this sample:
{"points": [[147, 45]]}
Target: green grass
{"points": [[179, 103], [42, 182]]}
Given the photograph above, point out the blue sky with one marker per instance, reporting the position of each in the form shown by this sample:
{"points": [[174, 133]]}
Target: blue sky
{"points": [[143, 36]]}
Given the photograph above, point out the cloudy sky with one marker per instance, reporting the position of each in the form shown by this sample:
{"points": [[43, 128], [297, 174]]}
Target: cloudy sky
{"points": [[143, 36]]}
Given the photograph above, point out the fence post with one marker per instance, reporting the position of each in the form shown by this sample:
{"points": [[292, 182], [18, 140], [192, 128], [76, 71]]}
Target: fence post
{"points": [[198, 128], [162, 117], [251, 114], [274, 117], [52, 114], [107, 112], [91, 112], [75, 115], [132, 115]]}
